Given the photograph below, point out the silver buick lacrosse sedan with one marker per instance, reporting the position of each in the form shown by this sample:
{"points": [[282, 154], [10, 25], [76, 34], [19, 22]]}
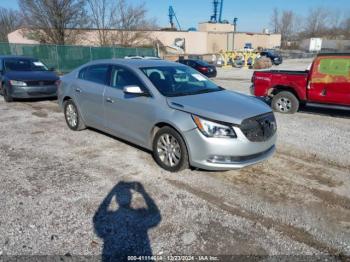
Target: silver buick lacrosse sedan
{"points": [[171, 109]]}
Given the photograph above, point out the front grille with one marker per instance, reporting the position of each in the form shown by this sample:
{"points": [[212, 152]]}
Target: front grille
{"points": [[260, 128], [40, 83]]}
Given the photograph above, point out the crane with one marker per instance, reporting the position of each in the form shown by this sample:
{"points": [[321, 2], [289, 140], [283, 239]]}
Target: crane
{"points": [[221, 9], [172, 15], [218, 6]]}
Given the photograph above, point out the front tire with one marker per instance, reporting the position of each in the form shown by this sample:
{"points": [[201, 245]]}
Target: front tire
{"points": [[169, 150], [72, 116], [8, 98], [285, 102]]}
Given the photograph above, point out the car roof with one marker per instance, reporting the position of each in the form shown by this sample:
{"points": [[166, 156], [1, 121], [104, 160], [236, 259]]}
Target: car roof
{"points": [[191, 59], [17, 57], [135, 62]]}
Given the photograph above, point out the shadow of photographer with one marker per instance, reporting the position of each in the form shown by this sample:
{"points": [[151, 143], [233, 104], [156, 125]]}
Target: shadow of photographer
{"points": [[125, 230]]}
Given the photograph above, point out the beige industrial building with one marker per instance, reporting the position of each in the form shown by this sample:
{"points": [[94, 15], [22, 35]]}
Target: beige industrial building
{"points": [[210, 38]]}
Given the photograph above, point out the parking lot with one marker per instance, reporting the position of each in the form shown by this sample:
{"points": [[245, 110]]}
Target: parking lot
{"points": [[54, 182]]}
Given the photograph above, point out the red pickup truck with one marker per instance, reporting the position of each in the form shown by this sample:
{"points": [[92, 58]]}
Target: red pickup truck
{"points": [[327, 83]]}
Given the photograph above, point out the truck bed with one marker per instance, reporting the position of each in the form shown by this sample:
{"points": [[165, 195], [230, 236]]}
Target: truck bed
{"points": [[264, 81]]}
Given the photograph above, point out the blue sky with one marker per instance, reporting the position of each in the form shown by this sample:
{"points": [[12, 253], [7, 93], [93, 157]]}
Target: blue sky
{"points": [[253, 15]]}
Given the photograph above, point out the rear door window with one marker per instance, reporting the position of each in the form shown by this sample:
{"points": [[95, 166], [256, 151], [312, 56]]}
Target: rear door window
{"points": [[97, 73]]}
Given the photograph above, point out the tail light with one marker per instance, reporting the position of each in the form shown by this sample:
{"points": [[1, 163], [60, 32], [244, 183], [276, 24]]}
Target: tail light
{"points": [[203, 69]]}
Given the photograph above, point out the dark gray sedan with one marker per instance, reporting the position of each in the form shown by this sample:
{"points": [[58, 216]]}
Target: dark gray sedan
{"points": [[170, 109], [26, 77]]}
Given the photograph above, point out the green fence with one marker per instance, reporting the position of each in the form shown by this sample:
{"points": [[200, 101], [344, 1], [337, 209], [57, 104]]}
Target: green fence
{"points": [[65, 58]]}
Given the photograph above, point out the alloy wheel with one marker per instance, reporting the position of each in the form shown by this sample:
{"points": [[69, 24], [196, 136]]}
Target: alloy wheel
{"points": [[72, 115], [168, 150]]}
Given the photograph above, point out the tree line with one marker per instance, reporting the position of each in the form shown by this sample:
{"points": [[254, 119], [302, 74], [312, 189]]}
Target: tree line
{"points": [[319, 22], [65, 21]]}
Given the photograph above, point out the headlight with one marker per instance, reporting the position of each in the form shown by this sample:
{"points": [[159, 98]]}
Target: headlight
{"points": [[213, 129], [17, 83]]}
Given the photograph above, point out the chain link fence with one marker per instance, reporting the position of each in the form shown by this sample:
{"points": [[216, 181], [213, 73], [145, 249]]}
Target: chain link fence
{"points": [[65, 58]]}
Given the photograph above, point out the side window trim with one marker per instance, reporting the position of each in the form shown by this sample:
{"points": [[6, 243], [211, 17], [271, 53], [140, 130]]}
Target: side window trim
{"points": [[82, 72]]}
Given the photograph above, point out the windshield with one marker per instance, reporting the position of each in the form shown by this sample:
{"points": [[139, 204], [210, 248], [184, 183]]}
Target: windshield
{"points": [[179, 81], [17, 64]]}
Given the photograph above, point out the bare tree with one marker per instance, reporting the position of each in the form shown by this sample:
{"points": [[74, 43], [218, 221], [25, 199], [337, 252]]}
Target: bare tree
{"points": [[103, 18], [132, 24], [332, 29], [334, 18], [284, 24], [316, 22], [287, 25], [345, 26], [320, 22], [54, 21], [120, 23], [9, 21], [275, 21]]}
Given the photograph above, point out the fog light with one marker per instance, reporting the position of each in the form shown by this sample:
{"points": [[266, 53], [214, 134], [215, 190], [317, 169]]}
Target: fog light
{"points": [[219, 159]]}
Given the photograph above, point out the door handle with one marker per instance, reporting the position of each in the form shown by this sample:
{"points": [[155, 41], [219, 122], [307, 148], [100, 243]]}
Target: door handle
{"points": [[109, 100], [78, 90]]}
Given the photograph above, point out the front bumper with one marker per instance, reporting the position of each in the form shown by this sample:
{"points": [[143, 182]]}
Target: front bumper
{"points": [[238, 152], [33, 91]]}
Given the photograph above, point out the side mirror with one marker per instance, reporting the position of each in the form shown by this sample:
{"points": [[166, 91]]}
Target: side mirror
{"points": [[52, 69], [134, 90]]}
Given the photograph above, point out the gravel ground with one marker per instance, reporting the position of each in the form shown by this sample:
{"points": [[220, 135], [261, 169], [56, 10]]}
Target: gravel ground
{"points": [[58, 190]]}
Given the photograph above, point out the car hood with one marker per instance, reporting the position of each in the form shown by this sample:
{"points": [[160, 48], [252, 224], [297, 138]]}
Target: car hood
{"points": [[31, 75], [225, 106]]}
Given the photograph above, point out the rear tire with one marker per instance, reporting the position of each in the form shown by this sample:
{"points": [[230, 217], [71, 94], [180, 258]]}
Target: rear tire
{"points": [[169, 150], [7, 97], [285, 102], [72, 116]]}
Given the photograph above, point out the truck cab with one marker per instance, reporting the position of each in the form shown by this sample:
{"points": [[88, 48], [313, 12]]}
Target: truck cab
{"points": [[327, 83]]}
